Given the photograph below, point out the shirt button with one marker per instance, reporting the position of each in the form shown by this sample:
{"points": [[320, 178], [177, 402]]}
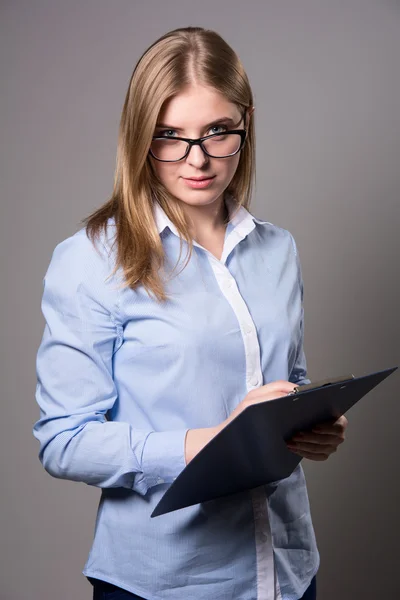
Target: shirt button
{"points": [[254, 380]]}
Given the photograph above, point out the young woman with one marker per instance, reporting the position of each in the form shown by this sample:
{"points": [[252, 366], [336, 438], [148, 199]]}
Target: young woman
{"points": [[169, 313]]}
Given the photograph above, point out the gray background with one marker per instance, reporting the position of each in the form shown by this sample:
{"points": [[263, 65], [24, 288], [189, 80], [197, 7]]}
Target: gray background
{"points": [[326, 81]]}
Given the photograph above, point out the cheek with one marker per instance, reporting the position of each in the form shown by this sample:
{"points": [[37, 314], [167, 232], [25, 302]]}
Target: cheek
{"points": [[235, 159], [231, 166], [166, 173]]}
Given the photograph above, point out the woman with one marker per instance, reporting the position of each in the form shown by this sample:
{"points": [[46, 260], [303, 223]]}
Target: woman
{"points": [[145, 357]]}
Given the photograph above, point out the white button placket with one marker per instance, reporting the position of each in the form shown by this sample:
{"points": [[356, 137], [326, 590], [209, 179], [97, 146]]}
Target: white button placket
{"points": [[267, 583], [231, 292]]}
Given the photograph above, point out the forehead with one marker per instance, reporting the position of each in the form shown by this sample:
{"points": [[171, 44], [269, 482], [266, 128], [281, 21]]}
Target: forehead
{"points": [[197, 104]]}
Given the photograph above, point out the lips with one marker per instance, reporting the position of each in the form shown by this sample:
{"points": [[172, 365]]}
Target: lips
{"points": [[199, 183], [199, 178]]}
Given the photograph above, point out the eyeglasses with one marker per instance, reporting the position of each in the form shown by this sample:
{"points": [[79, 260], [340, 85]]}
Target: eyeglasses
{"points": [[217, 145]]}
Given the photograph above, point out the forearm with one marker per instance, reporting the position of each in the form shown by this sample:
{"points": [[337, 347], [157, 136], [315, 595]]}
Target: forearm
{"points": [[110, 454]]}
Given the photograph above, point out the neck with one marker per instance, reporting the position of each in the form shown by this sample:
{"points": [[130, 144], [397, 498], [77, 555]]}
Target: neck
{"points": [[207, 220]]}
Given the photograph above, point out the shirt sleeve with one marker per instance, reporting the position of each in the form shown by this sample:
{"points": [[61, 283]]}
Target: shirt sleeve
{"points": [[298, 374], [75, 384]]}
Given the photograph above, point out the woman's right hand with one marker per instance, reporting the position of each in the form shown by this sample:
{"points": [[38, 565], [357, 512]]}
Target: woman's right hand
{"points": [[276, 389], [196, 439]]}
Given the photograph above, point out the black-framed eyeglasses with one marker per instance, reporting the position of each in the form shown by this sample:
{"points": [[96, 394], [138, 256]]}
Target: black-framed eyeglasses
{"points": [[216, 145]]}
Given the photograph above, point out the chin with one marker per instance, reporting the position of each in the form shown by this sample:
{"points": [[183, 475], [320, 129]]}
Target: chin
{"points": [[198, 197], [206, 195]]}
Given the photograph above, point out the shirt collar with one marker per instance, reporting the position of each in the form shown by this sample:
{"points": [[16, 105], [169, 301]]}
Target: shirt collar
{"points": [[242, 221]]}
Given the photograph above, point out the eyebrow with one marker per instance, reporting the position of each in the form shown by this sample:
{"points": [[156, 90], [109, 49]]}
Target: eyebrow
{"points": [[226, 120]]}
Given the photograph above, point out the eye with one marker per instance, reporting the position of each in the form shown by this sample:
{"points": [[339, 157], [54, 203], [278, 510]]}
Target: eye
{"points": [[166, 133], [223, 127]]}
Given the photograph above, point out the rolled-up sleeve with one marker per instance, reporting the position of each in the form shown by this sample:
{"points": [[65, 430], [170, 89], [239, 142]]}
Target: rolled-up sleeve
{"points": [[75, 385], [298, 374]]}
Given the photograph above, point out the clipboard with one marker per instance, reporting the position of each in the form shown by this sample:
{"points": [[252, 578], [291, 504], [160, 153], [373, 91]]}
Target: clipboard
{"points": [[251, 450]]}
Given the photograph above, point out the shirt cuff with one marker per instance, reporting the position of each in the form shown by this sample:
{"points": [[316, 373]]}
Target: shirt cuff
{"points": [[163, 457]]}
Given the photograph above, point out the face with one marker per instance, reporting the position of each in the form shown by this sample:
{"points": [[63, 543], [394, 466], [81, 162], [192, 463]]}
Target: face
{"points": [[193, 114]]}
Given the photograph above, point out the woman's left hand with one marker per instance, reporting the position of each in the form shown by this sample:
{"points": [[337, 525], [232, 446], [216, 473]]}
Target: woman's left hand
{"points": [[321, 441]]}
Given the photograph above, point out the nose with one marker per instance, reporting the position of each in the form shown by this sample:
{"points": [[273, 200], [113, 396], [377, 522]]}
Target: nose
{"points": [[196, 156]]}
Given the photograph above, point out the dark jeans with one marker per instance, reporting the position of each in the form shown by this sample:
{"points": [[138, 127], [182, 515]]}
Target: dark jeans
{"points": [[106, 591], [311, 591]]}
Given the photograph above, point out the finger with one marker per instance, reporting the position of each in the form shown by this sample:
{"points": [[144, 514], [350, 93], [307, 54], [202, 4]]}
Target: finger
{"points": [[331, 427], [312, 456], [339, 422], [342, 422], [329, 436], [316, 438], [313, 448], [276, 386], [264, 397], [283, 385]]}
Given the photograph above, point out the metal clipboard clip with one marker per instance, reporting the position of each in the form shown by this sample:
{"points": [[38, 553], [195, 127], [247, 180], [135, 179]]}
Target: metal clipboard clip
{"points": [[321, 383]]}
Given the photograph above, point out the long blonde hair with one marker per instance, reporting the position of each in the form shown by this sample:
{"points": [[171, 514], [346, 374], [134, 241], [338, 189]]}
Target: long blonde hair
{"points": [[178, 58]]}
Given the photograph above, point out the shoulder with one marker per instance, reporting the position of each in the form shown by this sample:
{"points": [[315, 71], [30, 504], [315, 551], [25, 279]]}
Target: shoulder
{"points": [[79, 263], [83, 254], [277, 236]]}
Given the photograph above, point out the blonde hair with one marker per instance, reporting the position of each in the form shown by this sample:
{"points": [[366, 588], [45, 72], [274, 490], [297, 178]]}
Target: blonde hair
{"points": [[177, 59]]}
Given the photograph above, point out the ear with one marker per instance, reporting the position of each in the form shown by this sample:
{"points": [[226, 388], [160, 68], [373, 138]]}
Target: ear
{"points": [[251, 110]]}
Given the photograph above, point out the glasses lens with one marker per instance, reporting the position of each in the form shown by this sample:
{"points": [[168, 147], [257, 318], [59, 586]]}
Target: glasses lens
{"points": [[168, 149], [223, 145], [218, 146]]}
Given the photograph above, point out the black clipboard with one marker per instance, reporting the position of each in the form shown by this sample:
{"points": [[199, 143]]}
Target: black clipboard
{"points": [[251, 450]]}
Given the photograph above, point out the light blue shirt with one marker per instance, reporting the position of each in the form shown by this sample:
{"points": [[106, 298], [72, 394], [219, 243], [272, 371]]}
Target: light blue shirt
{"points": [[121, 378]]}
